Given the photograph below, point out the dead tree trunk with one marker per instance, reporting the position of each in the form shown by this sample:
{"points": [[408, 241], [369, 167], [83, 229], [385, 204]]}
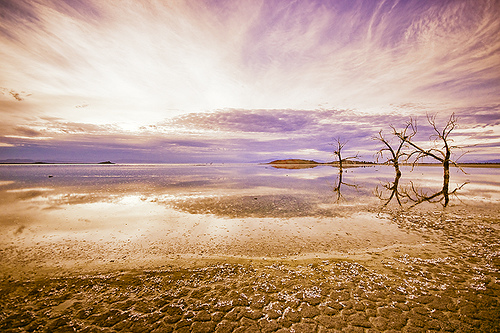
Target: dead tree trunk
{"points": [[443, 154], [395, 153], [339, 145]]}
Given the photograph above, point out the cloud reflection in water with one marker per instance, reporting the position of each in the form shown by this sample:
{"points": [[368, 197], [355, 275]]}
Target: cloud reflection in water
{"points": [[215, 210]]}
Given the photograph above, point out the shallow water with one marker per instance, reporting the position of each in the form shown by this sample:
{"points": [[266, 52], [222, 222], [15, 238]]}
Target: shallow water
{"points": [[220, 247], [67, 215]]}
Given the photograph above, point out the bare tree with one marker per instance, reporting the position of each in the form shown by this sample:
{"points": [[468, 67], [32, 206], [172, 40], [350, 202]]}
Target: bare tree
{"points": [[441, 154], [397, 152], [338, 146]]}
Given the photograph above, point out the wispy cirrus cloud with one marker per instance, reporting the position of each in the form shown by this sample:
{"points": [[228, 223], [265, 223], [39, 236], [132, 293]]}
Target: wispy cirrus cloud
{"points": [[242, 79], [187, 55]]}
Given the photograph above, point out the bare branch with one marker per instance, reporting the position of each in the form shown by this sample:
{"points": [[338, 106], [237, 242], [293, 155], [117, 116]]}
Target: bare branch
{"points": [[339, 145]]}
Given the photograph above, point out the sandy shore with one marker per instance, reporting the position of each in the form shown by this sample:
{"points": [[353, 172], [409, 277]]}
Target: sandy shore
{"points": [[440, 274]]}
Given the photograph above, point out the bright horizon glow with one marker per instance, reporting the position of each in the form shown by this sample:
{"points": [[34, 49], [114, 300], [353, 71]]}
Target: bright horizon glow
{"points": [[120, 77]]}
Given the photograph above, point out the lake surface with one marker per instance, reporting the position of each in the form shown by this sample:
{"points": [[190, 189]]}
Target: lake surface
{"points": [[71, 216], [205, 247]]}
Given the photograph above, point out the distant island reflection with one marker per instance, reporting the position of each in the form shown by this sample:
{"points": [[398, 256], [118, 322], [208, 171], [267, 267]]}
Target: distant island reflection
{"points": [[306, 164]]}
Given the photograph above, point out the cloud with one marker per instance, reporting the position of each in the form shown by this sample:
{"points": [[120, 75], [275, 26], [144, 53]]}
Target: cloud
{"points": [[25, 131], [233, 80], [250, 54], [364, 55], [12, 94], [480, 116], [274, 121], [279, 122]]}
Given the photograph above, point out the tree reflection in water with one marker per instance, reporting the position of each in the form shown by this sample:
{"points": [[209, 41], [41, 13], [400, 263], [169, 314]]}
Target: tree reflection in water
{"points": [[338, 185], [415, 195], [418, 196], [393, 188]]}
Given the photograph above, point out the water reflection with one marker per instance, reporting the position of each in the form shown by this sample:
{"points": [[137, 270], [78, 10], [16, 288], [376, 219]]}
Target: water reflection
{"points": [[231, 209], [337, 189], [393, 190], [241, 190], [264, 188], [413, 195], [418, 196]]}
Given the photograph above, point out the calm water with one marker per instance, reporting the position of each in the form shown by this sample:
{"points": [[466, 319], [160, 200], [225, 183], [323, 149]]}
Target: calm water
{"points": [[125, 212]]}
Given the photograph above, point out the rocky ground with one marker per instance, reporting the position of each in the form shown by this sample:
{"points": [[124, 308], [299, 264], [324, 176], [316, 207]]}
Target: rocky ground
{"points": [[453, 285], [316, 297]]}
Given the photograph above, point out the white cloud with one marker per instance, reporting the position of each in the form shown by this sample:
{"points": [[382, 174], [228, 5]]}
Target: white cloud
{"points": [[135, 63]]}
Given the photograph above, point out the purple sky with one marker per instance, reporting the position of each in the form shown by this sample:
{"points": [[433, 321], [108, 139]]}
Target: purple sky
{"points": [[238, 81]]}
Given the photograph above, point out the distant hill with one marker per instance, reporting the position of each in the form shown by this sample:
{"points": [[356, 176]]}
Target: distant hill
{"points": [[300, 161], [294, 161]]}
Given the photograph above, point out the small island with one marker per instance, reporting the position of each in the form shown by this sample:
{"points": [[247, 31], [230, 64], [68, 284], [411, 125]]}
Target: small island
{"points": [[304, 164], [294, 161]]}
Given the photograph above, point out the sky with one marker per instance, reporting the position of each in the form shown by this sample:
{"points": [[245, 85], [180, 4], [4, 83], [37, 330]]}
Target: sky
{"points": [[187, 81]]}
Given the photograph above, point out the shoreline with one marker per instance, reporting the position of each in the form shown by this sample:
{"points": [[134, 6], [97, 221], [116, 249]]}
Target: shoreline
{"points": [[447, 282], [69, 268]]}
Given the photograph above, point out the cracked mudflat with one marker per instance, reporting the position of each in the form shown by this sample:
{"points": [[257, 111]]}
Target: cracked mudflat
{"points": [[247, 248]]}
